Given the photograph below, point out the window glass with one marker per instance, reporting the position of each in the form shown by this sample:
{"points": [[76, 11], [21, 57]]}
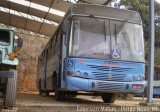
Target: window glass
{"points": [[4, 38], [106, 39]]}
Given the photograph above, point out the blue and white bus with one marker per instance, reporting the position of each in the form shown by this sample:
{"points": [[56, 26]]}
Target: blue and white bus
{"points": [[96, 50]]}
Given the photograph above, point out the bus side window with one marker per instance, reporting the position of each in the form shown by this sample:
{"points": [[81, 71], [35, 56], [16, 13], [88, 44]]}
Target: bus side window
{"points": [[50, 51], [53, 46], [65, 29], [43, 59], [57, 46], [40, 63], [53, 41]]}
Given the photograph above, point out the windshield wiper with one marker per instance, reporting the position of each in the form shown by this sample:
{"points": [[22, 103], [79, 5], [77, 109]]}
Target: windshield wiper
{"points": [[121, 26], [115, 33]]}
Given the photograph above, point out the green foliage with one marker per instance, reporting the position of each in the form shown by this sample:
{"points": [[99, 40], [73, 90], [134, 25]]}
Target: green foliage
{"points": [[157, 53], [157, 56]]}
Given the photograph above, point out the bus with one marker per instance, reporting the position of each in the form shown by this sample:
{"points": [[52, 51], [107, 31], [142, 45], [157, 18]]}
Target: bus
{"points": [[96, 50]]}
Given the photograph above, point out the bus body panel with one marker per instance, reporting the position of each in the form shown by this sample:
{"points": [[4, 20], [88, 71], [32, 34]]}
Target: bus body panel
{"points": [[52, 66], [104, 75]]}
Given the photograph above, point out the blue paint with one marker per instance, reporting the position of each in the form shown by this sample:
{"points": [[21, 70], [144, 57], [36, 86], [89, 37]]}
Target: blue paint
{"points": [[98, 70], [156, 91]]}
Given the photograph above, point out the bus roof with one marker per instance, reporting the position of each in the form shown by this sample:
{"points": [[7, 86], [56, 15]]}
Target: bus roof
{"points": [[102, 11]]}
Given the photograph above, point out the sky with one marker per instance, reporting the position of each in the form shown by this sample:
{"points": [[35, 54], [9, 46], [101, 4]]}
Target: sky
{"points": [[158, 1]]}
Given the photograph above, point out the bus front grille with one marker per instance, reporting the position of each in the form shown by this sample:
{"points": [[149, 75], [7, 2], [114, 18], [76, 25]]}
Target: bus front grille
{"points": [[106, 73], [106, 86], [109, 77]]}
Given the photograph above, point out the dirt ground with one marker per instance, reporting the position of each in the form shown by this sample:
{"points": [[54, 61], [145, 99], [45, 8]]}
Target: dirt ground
{"points": [[36, 103]]}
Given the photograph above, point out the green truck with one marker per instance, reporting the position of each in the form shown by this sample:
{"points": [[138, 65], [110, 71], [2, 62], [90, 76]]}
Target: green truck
{"points": [[9, 45]]}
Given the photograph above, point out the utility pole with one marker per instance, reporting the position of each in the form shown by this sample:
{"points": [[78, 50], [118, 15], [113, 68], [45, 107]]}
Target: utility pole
{"points": [[151, 52]]}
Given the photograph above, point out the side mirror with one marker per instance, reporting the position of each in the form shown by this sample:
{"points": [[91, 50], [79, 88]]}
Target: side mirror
{"points": [[18, 42]]}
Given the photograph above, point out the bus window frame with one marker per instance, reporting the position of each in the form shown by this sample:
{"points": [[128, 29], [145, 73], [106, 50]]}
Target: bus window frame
{"points": [[89, 16]]}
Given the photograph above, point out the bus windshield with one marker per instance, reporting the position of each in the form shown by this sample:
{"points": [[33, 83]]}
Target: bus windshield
{"points": [[4, 38], [106, 39]]}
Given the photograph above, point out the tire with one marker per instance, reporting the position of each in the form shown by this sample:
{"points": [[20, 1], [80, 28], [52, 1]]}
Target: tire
{"points": [[41, 92], [109, 97], [39, 87], [59, 95], [45, 93], [10, 96], [72, 94]]}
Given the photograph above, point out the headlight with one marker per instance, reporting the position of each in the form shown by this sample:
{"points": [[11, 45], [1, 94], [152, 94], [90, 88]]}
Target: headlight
{"points": [[139, 77], [133, 77], [85, 74], [78, 73]]}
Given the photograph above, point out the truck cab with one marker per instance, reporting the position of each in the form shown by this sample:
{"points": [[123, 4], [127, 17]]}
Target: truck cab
{"points": [[7, 55], [9, 46]]}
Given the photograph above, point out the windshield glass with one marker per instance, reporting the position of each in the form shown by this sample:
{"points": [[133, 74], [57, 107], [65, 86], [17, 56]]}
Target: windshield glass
{"points": [[106, 39], [4, 38]]}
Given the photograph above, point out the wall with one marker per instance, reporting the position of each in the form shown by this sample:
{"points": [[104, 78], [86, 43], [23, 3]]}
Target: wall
{"points": [[28, 56]]}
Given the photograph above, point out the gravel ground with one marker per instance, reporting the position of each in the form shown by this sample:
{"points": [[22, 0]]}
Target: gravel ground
{"points": [[36, 103]]}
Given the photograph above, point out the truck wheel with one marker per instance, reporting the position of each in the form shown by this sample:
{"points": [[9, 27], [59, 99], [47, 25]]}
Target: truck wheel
{"points": [[10, 97], [109, 97]]}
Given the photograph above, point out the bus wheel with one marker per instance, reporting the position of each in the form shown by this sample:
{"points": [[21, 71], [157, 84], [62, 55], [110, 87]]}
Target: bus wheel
{"points": [[39, 87], [59, 95], [45, 93], [72, 94], [109, 97], [42, 92]]}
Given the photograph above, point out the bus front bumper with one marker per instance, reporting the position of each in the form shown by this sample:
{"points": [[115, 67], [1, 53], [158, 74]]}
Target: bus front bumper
{"points": [[90, 85]]}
